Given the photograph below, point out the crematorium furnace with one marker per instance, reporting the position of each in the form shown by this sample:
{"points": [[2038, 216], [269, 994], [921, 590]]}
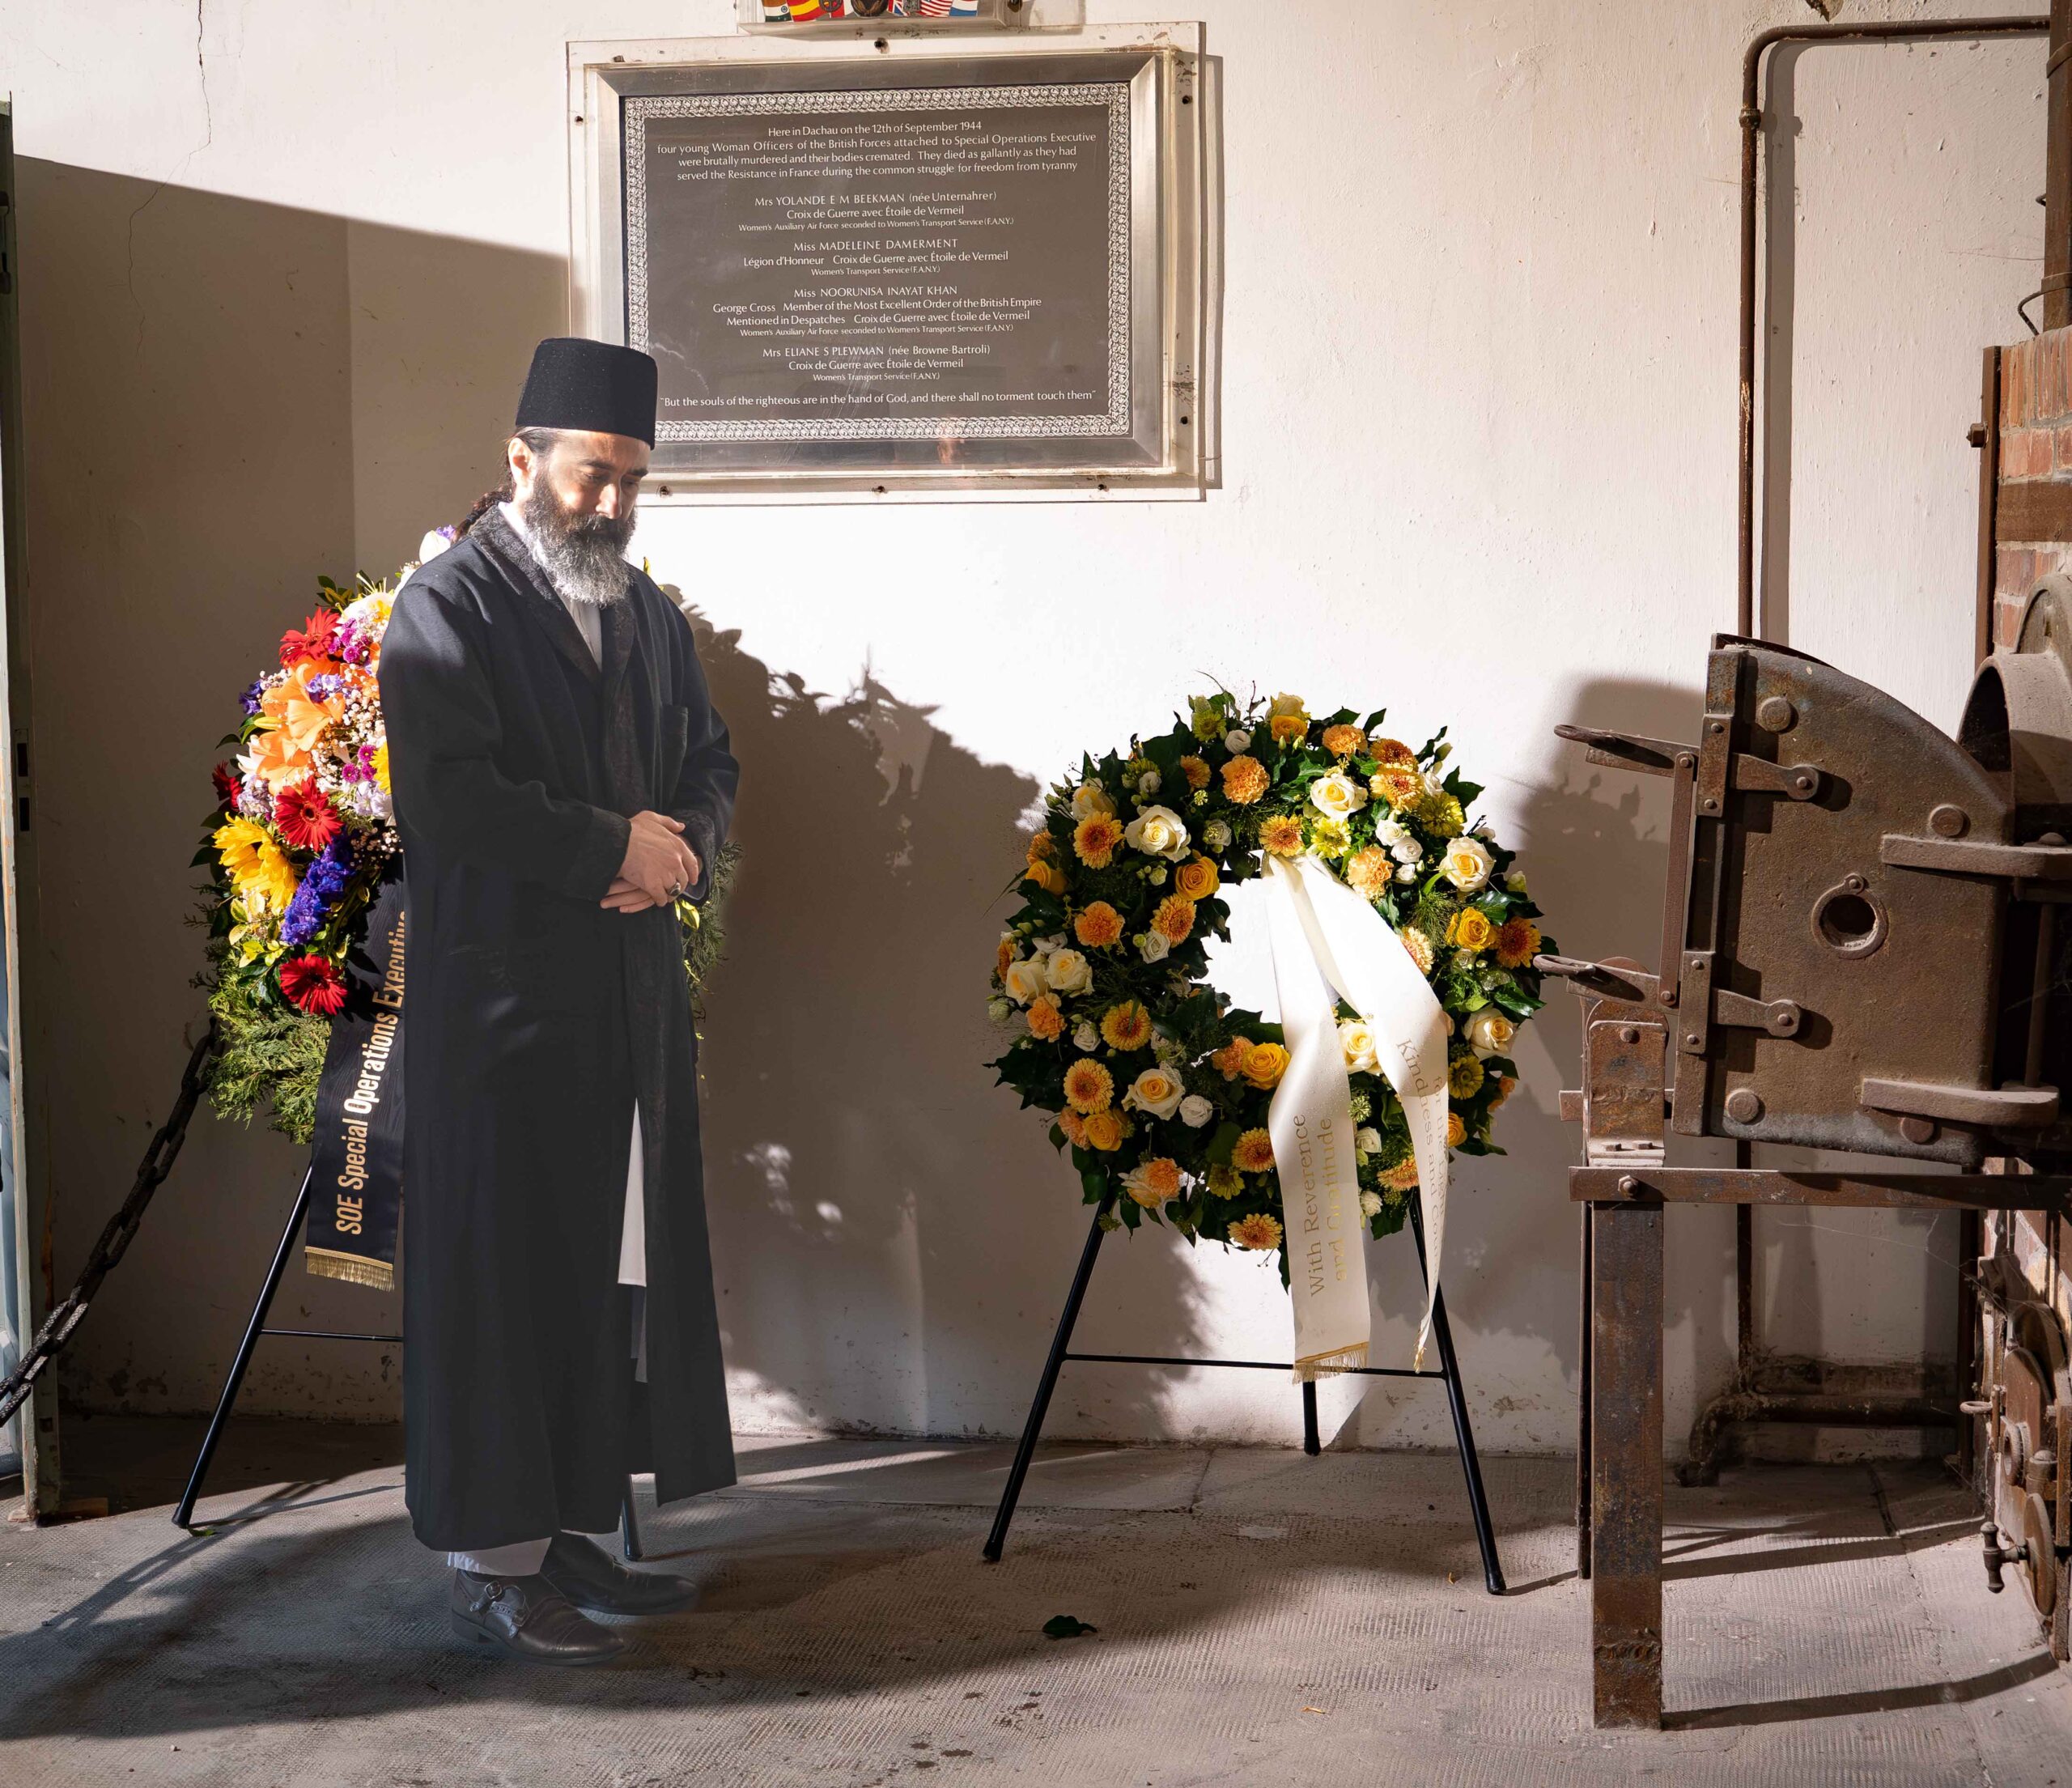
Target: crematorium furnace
{"points": [[1860, 952]]}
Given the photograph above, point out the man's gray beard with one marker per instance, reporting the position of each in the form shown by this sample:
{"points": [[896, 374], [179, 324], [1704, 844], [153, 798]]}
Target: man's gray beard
{"points": [[583, 556]]}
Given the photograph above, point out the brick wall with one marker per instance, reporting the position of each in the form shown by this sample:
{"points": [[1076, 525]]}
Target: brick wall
{"points": [[2036, 448]]}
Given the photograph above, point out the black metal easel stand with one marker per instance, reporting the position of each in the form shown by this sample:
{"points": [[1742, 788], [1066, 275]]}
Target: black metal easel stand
{"points": [[184, 1515], [1478, 1502]]}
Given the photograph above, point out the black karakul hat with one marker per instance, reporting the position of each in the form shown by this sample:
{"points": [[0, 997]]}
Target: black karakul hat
{"points": [[595, 387]]}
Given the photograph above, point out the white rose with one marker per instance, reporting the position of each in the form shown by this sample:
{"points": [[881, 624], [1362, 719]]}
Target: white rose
{"points": [[1407, 850], [1148, 783], [1157, 832], [1091, 798], [1489, 1032], [1389, 834], [1467, 863], [1367, 1142], [1069, 971], [1156, 1092], [1514, 880], [1216, 835], [1086, 1039], [1195, 1111], [1337, 796], [1043, 946], [1355, 1037], [1407, 872], [1236, 740], [1023, 980], [1370, 1204], [1154, 946]]}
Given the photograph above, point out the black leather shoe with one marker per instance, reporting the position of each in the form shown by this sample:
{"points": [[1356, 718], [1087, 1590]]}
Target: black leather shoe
{"points": [[527, 1617], [592, 1579]]}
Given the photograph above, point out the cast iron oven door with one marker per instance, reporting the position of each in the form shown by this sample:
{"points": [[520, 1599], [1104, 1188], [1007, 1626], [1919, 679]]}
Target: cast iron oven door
{"points": [[1839, 972]]}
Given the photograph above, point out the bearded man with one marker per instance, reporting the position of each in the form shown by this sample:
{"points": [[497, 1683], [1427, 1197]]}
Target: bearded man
{"points": [[560, 782]]}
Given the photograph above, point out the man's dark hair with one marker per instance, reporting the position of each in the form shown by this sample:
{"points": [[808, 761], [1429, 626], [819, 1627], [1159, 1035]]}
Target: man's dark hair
{"points": [[542, 442]]}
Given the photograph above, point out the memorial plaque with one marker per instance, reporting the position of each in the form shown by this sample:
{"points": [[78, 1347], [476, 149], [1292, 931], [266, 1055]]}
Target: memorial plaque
{"points": [[895, 265], [956, 269]]}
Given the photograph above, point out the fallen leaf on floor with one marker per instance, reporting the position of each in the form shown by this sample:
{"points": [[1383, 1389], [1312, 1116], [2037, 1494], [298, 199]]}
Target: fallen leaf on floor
{"points": [[1066, 1626], [1316, 1710]]}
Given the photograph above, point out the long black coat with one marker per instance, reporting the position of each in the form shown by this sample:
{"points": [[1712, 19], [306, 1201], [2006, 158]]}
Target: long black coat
{"points": [[536, 1017]]}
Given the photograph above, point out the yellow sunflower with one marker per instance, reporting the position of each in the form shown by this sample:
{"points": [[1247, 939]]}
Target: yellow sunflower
{"points": [[1126, 1026], [1254, 1153], [1088, 1087], [1258, 1232]]}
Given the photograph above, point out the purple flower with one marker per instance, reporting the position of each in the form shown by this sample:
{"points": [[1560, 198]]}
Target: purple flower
{"points": [[324, 687], [325, 880], [251, 697]]}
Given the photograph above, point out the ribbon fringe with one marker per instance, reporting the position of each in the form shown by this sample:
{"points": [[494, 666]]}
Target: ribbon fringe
{"points": [[1327, 1365], [355, 1269]]}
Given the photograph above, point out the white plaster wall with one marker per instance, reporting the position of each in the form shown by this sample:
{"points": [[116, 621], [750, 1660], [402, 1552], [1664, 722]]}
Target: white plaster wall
{"points": [[282, 267]]}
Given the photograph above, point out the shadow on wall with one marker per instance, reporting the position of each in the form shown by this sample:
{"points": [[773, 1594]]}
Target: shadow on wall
{"points": [[1595, 845], [223, 399], [892, 1236]]}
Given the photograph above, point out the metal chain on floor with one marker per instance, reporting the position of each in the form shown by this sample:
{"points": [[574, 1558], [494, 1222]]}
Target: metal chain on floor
{"points": [[159, 1158]]}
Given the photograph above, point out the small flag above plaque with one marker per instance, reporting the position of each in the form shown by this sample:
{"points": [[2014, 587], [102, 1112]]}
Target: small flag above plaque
{"points": [[805, 15]]}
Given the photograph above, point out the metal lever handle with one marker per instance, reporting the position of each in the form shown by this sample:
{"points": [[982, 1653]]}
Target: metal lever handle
{"points": [[1975, 1406], [1997, 1555]]}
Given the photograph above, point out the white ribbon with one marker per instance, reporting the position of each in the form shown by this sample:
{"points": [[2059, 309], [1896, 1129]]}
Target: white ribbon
{"points": [[1325, 937]]}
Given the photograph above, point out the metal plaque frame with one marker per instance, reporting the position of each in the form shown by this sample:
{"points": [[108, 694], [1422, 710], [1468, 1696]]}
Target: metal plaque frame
{"points": [[1154, 435]]}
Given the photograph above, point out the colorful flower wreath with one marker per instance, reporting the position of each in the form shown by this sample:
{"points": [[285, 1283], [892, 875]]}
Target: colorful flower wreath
{"points": [[303, 830], [300, 840], [1159, 1087]]}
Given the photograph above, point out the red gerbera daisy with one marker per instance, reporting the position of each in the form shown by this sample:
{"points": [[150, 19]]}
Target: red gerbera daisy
{"points": [[318, 639], [305, 816], [313, 985], [226, 784]]}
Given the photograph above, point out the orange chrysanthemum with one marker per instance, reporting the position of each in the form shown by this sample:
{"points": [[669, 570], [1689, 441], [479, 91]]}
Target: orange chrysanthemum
{"points": [[1088, 1088], [1254, 1153], [1245, 779], [1126, 1026], [1343, 741], [1098, 926], [1518, 942], [1388, 751], [1154, 1182], [1369, 870], [1174, 919], [1282, 835], [1047, 1022], [1401, 1177], [1105, 1130], [1074, 1126], [1265, 1065], [1095, 838], [1196, 878], [1230, 1060], [1258, 1232], [1196, 769]]}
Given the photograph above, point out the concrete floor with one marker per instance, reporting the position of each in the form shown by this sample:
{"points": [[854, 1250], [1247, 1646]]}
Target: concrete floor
{"points": [[1264, 1619]]}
